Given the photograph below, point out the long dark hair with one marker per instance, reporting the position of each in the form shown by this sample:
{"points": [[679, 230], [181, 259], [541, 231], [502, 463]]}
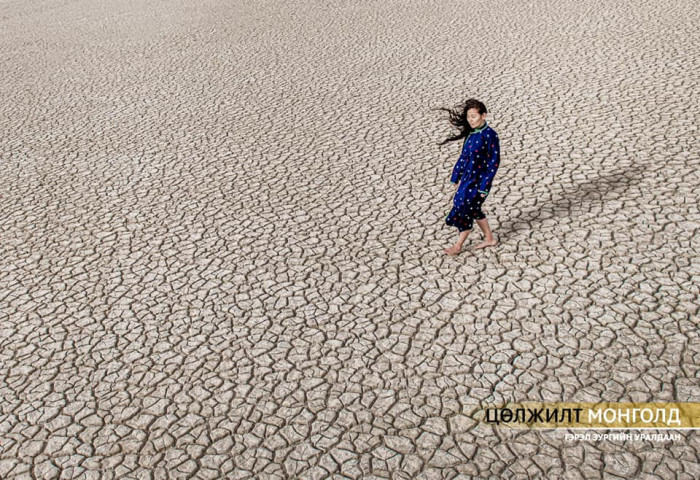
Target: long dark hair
{"points": [[458, 118]]}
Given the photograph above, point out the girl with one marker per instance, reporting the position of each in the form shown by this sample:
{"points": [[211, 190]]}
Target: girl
{"points": [[473, 172]]}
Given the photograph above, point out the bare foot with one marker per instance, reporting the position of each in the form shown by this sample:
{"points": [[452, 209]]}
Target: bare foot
{"points": [[487, 243], [453, 250]]}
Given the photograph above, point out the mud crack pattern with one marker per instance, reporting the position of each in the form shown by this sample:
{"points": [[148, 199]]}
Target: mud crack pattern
{"points": [[223, 221]]}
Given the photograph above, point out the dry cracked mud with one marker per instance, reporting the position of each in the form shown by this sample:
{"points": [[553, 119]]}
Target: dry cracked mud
{"points": [[223, 221]]}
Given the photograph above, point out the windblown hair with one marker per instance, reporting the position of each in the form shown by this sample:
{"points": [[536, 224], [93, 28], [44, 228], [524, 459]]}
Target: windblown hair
{"points": [[458, 118]]}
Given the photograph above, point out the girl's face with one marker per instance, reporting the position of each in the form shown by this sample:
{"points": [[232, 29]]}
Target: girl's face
{"points": [[474, 118]]}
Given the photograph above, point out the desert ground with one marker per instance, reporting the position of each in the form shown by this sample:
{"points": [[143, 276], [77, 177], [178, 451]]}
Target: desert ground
{"points": [[222, 232]]}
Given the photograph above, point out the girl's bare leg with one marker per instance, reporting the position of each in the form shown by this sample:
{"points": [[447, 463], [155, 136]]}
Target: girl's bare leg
{"points": [[457, 247], [489, 239]]}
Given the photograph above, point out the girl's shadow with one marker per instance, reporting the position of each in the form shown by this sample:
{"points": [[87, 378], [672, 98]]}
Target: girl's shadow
{"points": [[584, 196]]}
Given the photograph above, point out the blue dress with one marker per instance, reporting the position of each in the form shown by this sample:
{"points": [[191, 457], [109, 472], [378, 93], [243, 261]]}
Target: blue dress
{"points": [[474, 171]]}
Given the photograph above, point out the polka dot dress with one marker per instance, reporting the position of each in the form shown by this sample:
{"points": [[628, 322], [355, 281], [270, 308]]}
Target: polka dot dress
{"points": [[474, 171]]}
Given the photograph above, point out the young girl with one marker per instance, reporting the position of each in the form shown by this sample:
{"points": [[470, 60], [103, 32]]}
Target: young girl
{"points": [[473, 172]]}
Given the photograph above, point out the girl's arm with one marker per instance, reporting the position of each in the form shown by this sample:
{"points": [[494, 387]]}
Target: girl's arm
{"points": [[492, 162], [459, 166]]}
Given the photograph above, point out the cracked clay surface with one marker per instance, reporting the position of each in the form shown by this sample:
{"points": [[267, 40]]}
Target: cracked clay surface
{"points": [[223, 221]]}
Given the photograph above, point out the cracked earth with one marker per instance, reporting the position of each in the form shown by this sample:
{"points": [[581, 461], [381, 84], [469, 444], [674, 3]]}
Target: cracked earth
{"points": [[223, 221]]}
